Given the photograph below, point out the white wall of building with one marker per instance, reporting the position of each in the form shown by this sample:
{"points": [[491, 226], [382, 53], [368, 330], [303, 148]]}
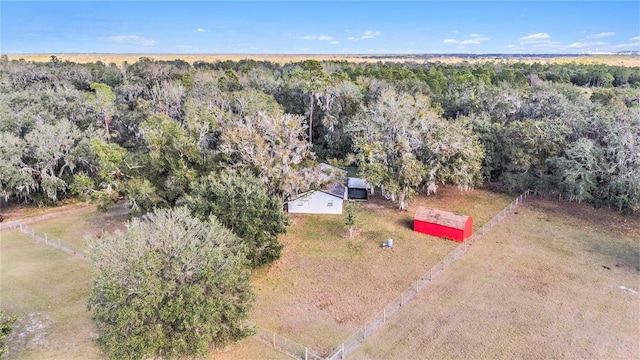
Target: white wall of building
{"points": [[316, 202]]}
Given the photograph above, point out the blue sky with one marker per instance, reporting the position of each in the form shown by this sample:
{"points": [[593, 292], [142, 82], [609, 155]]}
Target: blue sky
{"points": [[328, 27]]}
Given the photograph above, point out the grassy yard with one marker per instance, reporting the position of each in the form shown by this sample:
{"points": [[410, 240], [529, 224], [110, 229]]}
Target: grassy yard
{"points": [[326, 286], [547, 282], [75, 227], [323, 288], [47, 289]]}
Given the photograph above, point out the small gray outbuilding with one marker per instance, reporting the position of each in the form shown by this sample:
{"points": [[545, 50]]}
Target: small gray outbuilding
{"points": [[357, 189]]}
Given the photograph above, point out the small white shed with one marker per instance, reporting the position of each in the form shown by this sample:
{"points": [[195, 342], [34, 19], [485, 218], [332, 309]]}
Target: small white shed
{"points": [[328, 199], [318, 202]]}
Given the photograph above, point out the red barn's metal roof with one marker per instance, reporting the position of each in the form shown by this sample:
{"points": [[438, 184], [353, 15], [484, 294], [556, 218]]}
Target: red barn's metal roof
{"points": [[440, 217]]}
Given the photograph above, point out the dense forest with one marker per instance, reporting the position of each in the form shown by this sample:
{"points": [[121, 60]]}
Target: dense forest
{"points": [[164, 133]]}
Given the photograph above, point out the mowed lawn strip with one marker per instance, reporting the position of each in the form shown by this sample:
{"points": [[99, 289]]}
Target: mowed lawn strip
{"points": [[47, 289], [544, 283], [326, 285], [74, 228], [249, 348]]}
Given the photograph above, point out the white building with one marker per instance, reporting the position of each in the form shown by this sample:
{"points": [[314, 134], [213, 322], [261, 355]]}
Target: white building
{"points": [[336, 188], [319, 201]]}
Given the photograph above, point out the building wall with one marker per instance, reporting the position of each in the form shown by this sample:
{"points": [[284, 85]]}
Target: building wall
{"points": [[438, 230], [468, 229], [358, 194], [316, 202]]}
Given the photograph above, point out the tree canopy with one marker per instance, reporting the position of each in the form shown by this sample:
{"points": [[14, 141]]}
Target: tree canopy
{"points": [[170, 286], [232, 141], [239, 200], [519, 123]]}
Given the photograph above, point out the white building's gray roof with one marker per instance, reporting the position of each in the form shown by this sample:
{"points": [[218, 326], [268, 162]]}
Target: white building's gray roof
{"points": [[357, 183]]}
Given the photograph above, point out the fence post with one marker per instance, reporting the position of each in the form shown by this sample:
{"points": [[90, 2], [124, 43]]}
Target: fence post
{"points": [[33, 233], [342, 351], [417, 285], [306, 356], [364, 335], [46, 238], [20, 227], [402, 299]]}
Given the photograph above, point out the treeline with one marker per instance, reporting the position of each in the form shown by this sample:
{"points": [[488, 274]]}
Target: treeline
{"points": [[161, 133], [216, 148]]}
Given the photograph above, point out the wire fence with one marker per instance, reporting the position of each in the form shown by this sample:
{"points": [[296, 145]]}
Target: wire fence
{"points": [[352, 343], [285, 345], [52, 241], [298, 351]]}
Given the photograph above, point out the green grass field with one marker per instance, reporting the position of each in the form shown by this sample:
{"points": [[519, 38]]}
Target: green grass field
{"points": [[75, 227], [47, 289]]}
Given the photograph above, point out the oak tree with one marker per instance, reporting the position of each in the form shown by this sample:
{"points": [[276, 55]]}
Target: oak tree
{"points": [[170, 286]]}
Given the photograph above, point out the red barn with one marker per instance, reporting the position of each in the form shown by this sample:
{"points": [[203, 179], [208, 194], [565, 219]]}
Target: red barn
{"points": [[443, 224]]}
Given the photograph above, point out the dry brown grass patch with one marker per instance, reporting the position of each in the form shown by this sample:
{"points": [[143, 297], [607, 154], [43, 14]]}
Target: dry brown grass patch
{"points": [[542, 284], [621, 60], [326, 286]]}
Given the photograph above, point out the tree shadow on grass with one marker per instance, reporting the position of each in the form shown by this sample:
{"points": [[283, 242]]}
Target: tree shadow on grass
{"points": [[407, 223]]}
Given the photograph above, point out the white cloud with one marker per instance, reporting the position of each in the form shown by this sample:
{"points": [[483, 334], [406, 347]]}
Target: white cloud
{"points": [[478, 37], [201, 30], [535, 38], [335, 42], [635, 38], [587, 44], [541, 42], [550, 45], [131, 40], [600, 35], [635, 45], [578, 45], [514, 48], [315, 37], [305, 49], [369, 34], [474, 40]]}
